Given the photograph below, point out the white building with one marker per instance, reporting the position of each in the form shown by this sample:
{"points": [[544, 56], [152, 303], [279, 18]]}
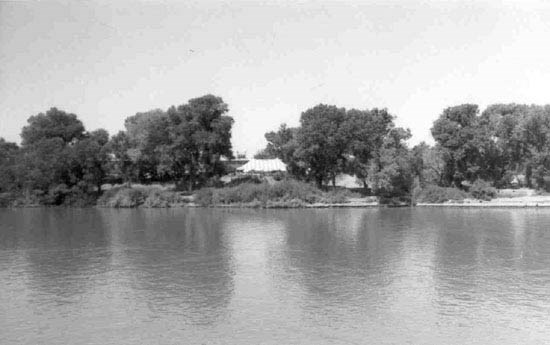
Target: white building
{"points": [[263, 166]]}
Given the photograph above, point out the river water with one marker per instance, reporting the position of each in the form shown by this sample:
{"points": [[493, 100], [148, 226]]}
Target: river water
{"points": [[325, 276]]}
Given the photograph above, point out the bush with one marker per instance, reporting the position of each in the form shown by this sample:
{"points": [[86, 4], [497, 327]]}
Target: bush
{"points": [[436, 195], [483, 190], [161, 198], [146, 196], [204, 197], [285, 193], [122, 197], [6, 199], [241, 179]]}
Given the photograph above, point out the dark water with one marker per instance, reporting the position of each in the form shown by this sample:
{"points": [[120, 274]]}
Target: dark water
{"points": [[345, 276]]}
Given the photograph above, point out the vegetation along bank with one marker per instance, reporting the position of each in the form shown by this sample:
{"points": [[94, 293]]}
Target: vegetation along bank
{"points": [[476, 156]]}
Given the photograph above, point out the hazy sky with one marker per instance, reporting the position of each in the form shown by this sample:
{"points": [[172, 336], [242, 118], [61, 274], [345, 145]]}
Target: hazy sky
{"points": [[270, 60]]}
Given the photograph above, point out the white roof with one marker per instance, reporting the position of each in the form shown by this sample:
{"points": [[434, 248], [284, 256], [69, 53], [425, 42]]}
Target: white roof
{"points": [[263, 165]]}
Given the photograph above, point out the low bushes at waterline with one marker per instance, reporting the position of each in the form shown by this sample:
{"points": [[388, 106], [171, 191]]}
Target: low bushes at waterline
{"points": [[437, 195], [286, 193], [136, 196], [482, 190]]}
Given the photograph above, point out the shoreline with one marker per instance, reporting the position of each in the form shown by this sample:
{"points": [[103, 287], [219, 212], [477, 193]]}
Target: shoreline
{"points": [[318, 206], [486, 205]]}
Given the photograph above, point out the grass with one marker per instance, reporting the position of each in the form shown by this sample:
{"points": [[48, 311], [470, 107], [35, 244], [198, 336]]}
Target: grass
{"points": [[140, 196], [282, 194], [437, 195]]}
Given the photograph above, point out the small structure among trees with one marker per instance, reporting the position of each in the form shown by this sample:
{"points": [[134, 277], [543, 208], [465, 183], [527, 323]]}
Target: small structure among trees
{"points": [[263, 166]]}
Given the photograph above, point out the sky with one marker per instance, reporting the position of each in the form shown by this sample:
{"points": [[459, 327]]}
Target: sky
{"points": [[269, 61]]}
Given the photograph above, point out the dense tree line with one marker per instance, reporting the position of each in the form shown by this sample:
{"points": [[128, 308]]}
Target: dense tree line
{"points": [[506, 144], [59, 162], [332, 140], [501, 143]]}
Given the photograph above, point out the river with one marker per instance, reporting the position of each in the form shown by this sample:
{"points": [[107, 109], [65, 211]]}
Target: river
{"points": [[242, 276]]}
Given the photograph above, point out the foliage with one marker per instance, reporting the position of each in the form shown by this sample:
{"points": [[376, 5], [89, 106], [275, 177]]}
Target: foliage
{"points": [[54, 123], [365, 132], [283, 144], [455, 133], [199, 134], [482, 190], [243, 179], [8, 173], [145, 196], [331, 140], [286, 193], [427, 164], [436, 194], [390, 173], [321, 143], [506, 140], [121, 164]]}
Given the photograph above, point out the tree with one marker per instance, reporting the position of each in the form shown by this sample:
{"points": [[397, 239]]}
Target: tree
{"points": [[427, 164], [536, 136], [146, 132], [365, 131], [199, 134], [90, 161], [44, 164], [54, 123], [455, 133], [264, 154], [390, 172], [283, 144], [320, 142], [507, 119], [8, 158], [121, 165]]}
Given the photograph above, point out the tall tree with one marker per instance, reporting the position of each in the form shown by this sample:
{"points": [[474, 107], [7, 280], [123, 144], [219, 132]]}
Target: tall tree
{"points": [[427, 164], [146, 132], [390, 172], [365, 131], [46, 142], [54, 123], [321, 143], [199, 135], [283, 144], [455, 133], [90, 161], [8, 158], [121, 164]]}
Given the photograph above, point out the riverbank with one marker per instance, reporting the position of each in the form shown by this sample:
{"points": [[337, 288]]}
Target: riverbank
{"points": [[284, 194], [520, 202], [512, 198]]}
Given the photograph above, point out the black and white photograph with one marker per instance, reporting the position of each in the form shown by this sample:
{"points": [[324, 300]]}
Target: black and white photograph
{"points": [[275, 172]]}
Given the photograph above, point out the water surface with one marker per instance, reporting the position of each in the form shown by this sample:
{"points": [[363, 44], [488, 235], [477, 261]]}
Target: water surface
{"points": [[331, 276]]}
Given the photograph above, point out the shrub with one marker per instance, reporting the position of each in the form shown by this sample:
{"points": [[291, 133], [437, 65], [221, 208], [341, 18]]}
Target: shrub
{"points": [[436, 194], [286, 193], [482, 190], [124, 197], [160, 198], [241, 179], [6, 199], [148, 196], [338, 196], [204, 197]]}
